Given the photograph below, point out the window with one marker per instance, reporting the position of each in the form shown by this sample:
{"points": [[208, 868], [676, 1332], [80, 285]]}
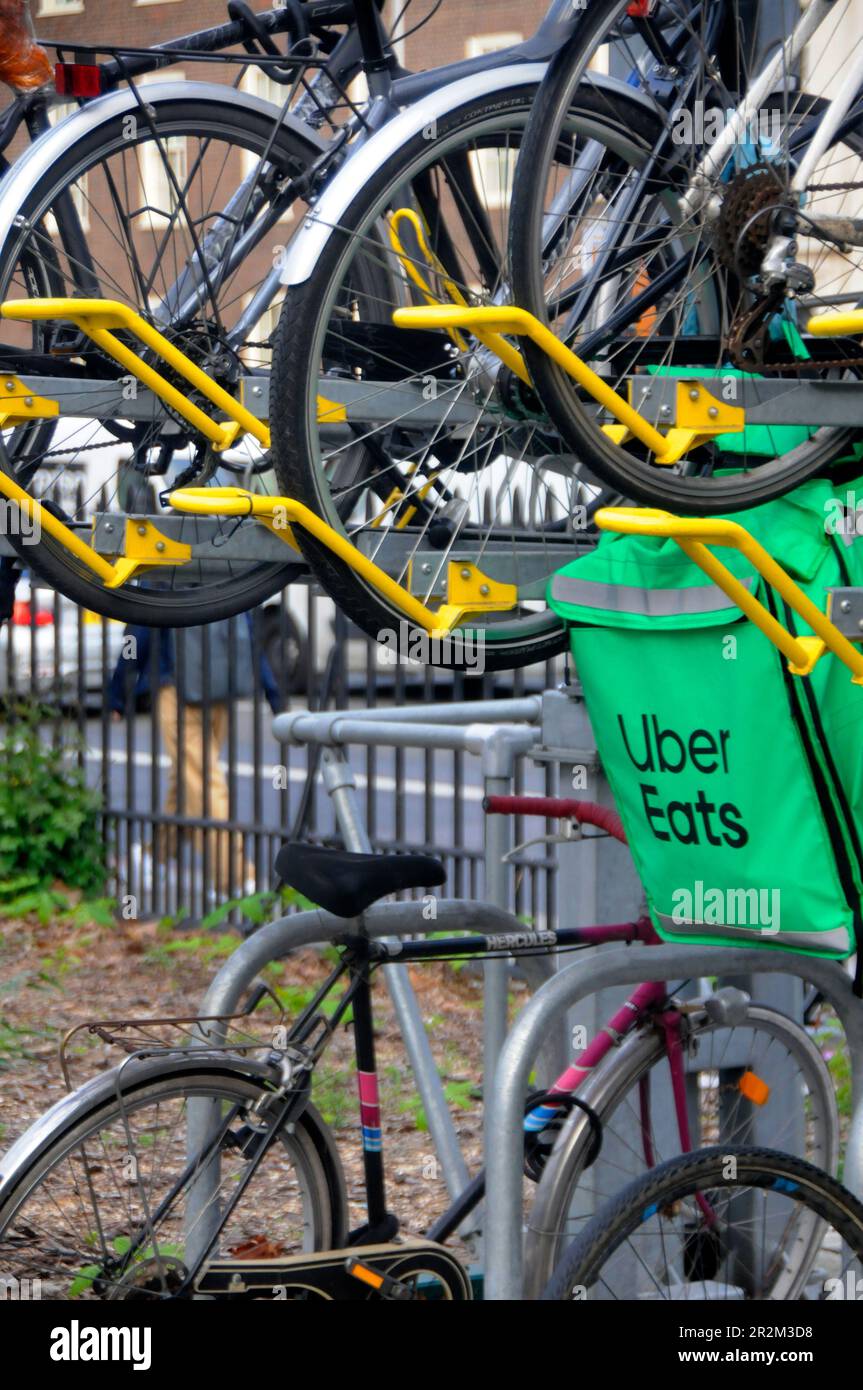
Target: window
{"points": [[258, 83], [493, 170], [57, 113], [491, 43], [158, 161], [60, 7]]}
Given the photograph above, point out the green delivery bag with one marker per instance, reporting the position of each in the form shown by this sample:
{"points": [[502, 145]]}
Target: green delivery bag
{"points": [[740, 786]]}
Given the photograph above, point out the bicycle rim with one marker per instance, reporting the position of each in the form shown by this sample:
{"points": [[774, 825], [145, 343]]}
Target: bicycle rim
{"points": [[653, 332], [454, 476], [158, 207], [717, 1224], [769, 1046], [115, 1208]]}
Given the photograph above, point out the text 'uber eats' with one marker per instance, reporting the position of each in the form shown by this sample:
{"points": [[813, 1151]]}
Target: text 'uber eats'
{"points": [[700, 818]]}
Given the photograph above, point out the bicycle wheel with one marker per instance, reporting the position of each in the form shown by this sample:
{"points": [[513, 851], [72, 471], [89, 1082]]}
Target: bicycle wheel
{"points": [[720, 1223], [32, 439], [622, 282], [164, 197], [631, 1095], [442, 465], [107, 1198]]}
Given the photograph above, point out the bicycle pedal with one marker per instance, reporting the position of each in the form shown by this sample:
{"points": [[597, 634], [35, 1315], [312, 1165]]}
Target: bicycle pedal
{"points": [[382, 1284], [418, 1270]]}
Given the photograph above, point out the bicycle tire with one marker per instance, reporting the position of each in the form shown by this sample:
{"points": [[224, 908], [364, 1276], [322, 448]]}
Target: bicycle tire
{"points": [[656, 486], [687, 1175], [65, 1128], [240, 127], [547, 1232], [295, 382]]}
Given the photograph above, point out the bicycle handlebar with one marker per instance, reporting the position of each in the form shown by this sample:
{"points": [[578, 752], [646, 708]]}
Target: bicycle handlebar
{"points": [[557, 807]]}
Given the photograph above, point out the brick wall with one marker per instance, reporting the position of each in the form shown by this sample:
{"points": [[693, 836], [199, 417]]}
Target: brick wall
{"points": [[444, 39]]}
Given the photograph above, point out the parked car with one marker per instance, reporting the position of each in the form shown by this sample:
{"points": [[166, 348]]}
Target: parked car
{"points": [[54, 649]]}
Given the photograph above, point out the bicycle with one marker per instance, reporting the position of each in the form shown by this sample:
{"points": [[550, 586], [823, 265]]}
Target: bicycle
{"points": [[392, 473], [200, 1214], [44, 175], [209, 162], [709, 254], [714, 1225]]}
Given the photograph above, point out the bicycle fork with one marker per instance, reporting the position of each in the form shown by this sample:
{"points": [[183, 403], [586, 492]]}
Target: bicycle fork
{"points": [[644, 999]]}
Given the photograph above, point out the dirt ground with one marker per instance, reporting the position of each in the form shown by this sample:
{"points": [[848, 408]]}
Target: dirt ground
{"points": [[54, 977]]}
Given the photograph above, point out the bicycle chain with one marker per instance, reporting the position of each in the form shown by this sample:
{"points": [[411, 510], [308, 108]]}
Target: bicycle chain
{"points": [[747, 317], [86, 448]]}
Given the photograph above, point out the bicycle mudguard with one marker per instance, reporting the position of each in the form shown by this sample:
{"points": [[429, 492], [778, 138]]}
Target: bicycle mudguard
{"points": [[99, 1090], [45, 152], [326, 216]]}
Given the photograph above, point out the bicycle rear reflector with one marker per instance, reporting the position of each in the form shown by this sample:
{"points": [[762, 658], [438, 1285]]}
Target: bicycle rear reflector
{"points": [[78, 79]]}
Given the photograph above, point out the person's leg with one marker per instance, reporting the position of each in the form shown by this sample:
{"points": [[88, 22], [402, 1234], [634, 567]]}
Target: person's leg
{"points": [[230, 843], [165, 840]]}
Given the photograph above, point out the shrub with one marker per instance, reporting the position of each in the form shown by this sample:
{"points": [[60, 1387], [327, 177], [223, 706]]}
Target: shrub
{"points": [[49, 818]]}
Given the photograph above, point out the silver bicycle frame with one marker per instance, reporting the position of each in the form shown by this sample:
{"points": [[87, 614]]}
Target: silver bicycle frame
{"points": [[771, 76]]}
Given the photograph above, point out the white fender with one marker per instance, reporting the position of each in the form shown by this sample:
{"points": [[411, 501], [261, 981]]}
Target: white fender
{"points": [[319, 224], [327, 213], [18, 183]]}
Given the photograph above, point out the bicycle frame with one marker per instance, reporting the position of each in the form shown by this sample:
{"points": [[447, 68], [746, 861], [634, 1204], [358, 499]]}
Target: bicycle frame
{"points": [[294, 1061]]}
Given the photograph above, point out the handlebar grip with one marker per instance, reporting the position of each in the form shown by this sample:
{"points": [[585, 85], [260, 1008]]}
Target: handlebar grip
{"points": [[557, 807]]}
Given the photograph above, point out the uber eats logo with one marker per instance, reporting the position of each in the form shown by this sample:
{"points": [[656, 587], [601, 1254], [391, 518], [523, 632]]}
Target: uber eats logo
{"points": [[700, 819]]}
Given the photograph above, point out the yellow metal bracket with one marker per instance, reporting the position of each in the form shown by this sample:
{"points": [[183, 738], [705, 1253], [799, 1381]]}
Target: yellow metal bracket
{"points": [[468, 589], [700, 417], [694, 535], [100, 318], [145, 547], [18, 405], [110, 575], [837, 325], [509, 355], [693, 427]]}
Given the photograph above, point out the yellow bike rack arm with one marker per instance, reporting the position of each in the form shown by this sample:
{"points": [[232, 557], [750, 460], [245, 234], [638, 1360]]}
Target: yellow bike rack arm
{"points": [[694, 535], [98, 318], [489, 321], [836, 325], [468, 590]]}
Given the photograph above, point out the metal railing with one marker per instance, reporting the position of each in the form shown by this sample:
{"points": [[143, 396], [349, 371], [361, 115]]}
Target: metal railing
{"points": [[255, 793]]}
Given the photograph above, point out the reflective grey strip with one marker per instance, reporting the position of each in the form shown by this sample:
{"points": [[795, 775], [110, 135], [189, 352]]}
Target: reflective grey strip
{"points": [[648, 603], [838, 939]]}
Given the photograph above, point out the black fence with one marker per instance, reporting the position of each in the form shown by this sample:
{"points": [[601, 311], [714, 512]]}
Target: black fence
{"points": [[174, 730]]}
